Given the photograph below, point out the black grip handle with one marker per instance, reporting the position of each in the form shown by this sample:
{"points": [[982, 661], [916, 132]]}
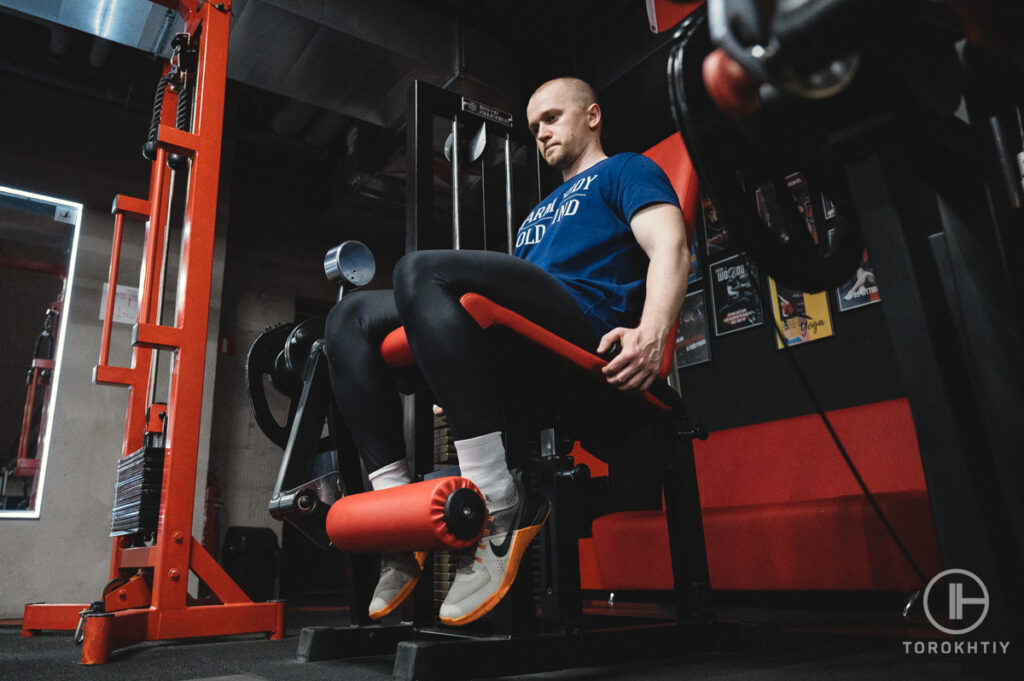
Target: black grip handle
{"points": [[612, 352]]}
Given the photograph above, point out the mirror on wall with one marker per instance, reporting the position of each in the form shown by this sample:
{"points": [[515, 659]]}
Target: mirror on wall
{"points": [[38, 235]]}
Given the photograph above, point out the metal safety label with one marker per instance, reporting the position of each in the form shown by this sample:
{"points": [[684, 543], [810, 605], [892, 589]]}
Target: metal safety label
{"points": [[488, 112]]}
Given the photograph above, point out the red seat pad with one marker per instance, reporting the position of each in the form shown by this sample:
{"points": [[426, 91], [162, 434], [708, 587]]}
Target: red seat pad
{"points": [[405, 518], [397, 354], [487, 313], [827, 544]]}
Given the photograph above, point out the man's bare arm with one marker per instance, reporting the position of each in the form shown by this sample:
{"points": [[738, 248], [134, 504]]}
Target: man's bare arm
{"points": [[660, 231]]}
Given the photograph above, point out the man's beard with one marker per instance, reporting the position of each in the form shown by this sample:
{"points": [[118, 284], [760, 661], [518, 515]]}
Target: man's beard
{"points": [[559, 159]]}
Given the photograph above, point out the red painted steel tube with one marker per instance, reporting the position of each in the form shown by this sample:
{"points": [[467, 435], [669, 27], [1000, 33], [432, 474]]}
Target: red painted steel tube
{"points": [[192, 314], [152, 259], [115, 259], [50, 617], [26, 419], [171, 613]]}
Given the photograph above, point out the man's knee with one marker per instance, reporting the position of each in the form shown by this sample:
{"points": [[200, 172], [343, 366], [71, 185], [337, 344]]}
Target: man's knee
{"points": [[415, 274], [348, 321], [412, 266]]}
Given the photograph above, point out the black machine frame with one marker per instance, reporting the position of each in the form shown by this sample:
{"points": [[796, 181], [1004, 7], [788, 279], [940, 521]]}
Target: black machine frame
{"points": [[943, 223], [921, 234], [563, 635]]}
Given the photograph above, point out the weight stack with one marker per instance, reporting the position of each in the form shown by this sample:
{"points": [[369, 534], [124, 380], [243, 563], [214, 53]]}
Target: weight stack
{"points": [[446, 562], [444, 444], [137, 492], [444, 456]]}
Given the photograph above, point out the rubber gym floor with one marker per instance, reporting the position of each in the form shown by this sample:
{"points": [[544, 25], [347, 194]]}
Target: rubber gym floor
{"points": [[850, 645]]}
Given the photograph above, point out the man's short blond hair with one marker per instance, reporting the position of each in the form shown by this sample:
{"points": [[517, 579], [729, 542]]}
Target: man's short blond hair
{"points": [[579, 90]]}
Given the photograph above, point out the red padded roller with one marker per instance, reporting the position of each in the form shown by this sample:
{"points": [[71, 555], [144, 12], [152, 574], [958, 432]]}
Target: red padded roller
{"points": [[396, 351], [731, 88], [444, 513]]}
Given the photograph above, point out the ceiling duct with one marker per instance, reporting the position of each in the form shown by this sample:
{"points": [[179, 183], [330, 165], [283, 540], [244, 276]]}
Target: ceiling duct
{"points": [[136, 23], [355, 58], [292, 118], [98, 52], [60, 38], [359, 57], [325, 128]]}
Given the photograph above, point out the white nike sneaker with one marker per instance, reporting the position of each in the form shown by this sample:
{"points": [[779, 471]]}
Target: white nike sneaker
{"points": [[399, 573], [486, 573]]}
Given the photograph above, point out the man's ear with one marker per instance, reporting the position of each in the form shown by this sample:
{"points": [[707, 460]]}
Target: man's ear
{"points": [[594, 116]]}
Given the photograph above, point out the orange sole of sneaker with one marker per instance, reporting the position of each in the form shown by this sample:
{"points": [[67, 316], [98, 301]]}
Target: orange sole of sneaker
{"points": [[519, 545], [421, 558]]}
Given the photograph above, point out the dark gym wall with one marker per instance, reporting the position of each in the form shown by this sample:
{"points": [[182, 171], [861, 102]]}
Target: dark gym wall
{"points": [[749, 381]]}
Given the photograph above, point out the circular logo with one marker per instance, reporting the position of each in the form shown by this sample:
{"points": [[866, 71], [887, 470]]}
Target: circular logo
{"points": [[956, 600]]}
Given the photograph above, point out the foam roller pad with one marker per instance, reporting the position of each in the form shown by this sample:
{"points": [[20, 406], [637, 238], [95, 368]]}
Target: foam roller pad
{"points": [[444, 513]]}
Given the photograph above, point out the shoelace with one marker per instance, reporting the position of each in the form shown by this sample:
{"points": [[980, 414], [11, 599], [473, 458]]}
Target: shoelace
{"points": [[467, 559], [398, 564]]}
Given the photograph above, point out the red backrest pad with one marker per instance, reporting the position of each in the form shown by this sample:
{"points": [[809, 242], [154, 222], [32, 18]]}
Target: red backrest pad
{"points": [[668, 13], [671, 156]]}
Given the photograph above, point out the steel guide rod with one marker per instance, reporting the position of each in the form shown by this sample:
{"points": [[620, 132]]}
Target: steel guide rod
{"points": [[508, 193], [456, 198]]}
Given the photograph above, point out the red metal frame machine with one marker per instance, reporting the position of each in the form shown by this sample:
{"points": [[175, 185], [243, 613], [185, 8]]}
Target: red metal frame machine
{"points": [[147, 598]]}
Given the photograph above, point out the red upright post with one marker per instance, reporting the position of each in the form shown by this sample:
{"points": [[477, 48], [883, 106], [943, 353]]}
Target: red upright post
{"points": [[155, 603]]}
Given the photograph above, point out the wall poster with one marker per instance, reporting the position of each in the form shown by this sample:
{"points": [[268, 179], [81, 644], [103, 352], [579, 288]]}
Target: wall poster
{"points": [[861, 289], [736, 296], [716, 236], [802, 317], [696, 272], [692, 345]]}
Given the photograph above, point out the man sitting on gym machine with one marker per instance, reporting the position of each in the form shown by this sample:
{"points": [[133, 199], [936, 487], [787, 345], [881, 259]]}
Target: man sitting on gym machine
{"points": [[601, 261]]}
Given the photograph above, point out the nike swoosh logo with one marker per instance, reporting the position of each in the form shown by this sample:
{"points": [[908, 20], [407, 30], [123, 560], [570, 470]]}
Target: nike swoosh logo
{"points": [[501, 549]]}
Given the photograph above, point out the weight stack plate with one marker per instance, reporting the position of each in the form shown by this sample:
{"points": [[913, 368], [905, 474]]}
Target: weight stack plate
{"points": [[136, 507]]}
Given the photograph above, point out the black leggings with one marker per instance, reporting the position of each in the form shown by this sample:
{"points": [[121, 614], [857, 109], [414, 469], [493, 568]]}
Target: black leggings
{"points": [[450, 348]]}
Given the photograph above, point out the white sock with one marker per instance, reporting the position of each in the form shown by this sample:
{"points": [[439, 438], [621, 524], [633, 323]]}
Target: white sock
{"points": [[482, 460], [392, 475]]}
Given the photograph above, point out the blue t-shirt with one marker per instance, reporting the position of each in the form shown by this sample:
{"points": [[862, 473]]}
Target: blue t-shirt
{"points": [[580, 234]]}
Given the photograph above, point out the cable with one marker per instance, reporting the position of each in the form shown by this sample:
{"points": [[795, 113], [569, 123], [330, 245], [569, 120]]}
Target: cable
{"points": [[149, 148], [842, 449]]}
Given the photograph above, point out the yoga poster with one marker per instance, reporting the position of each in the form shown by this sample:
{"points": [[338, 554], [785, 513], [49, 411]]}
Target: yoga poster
{"points": [[802, 317]]}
